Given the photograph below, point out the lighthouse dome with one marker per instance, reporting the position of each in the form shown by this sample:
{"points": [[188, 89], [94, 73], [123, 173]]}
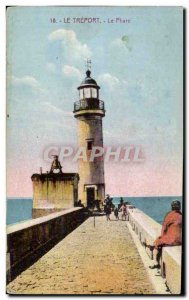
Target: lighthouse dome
{"points": [[88, 79]]}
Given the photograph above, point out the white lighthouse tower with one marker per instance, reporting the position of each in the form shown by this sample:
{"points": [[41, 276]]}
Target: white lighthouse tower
{"points": [[89, 111]]}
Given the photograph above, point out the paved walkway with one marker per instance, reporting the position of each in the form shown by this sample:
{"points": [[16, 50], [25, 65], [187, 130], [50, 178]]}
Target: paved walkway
{"points": [[91, 260]]}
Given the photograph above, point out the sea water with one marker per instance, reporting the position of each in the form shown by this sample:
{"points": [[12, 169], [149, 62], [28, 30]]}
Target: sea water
{"points": [[155, 207], [20, 209]]}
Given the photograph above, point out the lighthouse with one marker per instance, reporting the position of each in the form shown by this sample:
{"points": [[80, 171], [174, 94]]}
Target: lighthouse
{"points": [[89, 112]]}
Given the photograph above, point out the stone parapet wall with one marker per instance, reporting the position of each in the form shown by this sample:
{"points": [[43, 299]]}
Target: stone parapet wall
{"points": [[27, 241], [38, 213], [147, 231], [171, 263]]}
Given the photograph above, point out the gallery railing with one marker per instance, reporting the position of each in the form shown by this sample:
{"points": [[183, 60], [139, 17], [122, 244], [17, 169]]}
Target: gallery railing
{"points": [[89, 104]]}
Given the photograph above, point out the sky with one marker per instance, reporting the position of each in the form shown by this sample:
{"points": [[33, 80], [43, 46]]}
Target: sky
{"points": [[139, 67]]}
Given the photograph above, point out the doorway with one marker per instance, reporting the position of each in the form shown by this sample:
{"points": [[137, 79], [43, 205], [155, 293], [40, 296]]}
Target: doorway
{"points": [[90, 196]]}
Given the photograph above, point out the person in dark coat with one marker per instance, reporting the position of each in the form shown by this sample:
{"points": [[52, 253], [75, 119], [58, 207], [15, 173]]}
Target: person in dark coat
{"points": [[116, 213], [108, 212]]}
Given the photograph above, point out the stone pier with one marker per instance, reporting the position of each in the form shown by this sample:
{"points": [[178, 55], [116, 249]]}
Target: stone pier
{"points": [[97, 258]]}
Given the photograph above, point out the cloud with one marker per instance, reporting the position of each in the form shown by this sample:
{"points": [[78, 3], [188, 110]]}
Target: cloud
{"points": [[117, 43], [52, 108], [52, 125], [121, 43], [28, 82], [51, 67], [58, 118], [72, 47], [125, 82], [110, 80], [25, 80], [71, 71]]}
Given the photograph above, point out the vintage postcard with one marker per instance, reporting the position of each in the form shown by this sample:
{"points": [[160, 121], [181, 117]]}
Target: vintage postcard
{"points": [[95, 150]]}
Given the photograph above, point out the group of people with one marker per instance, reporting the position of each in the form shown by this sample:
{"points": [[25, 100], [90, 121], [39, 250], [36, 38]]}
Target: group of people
{"points": [[171, 233], [109, 207]]}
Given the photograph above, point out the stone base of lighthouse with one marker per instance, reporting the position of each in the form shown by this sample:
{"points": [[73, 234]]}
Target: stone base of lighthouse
{"points": [[91, 173], [89, 193]]}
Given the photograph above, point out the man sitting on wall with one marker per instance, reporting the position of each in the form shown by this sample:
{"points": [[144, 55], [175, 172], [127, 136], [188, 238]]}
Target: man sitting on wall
{"points": [[171, 233]]}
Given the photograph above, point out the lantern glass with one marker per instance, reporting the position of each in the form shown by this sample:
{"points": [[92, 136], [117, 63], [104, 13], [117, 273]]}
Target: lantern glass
{"points": [[94, 93], [87, 92], [80, 94]]}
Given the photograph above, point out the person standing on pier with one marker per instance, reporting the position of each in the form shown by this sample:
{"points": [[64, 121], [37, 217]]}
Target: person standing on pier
{"points": [[124, 211], [121, 203], [171, 233], [108, 211], [106, 201], [116, 213]]}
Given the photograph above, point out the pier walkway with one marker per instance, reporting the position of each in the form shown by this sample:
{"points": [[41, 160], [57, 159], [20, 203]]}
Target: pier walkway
{"points": [[90, 260]]}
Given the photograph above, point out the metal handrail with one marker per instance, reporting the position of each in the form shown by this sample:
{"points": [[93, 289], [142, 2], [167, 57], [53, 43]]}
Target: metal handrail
{"points": [[89, 104]]}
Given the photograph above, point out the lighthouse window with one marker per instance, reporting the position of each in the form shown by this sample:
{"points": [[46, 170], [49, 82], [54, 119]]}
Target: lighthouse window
{"points": [[94, 93], [89, 145], [81, 94], [87, 93]]}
